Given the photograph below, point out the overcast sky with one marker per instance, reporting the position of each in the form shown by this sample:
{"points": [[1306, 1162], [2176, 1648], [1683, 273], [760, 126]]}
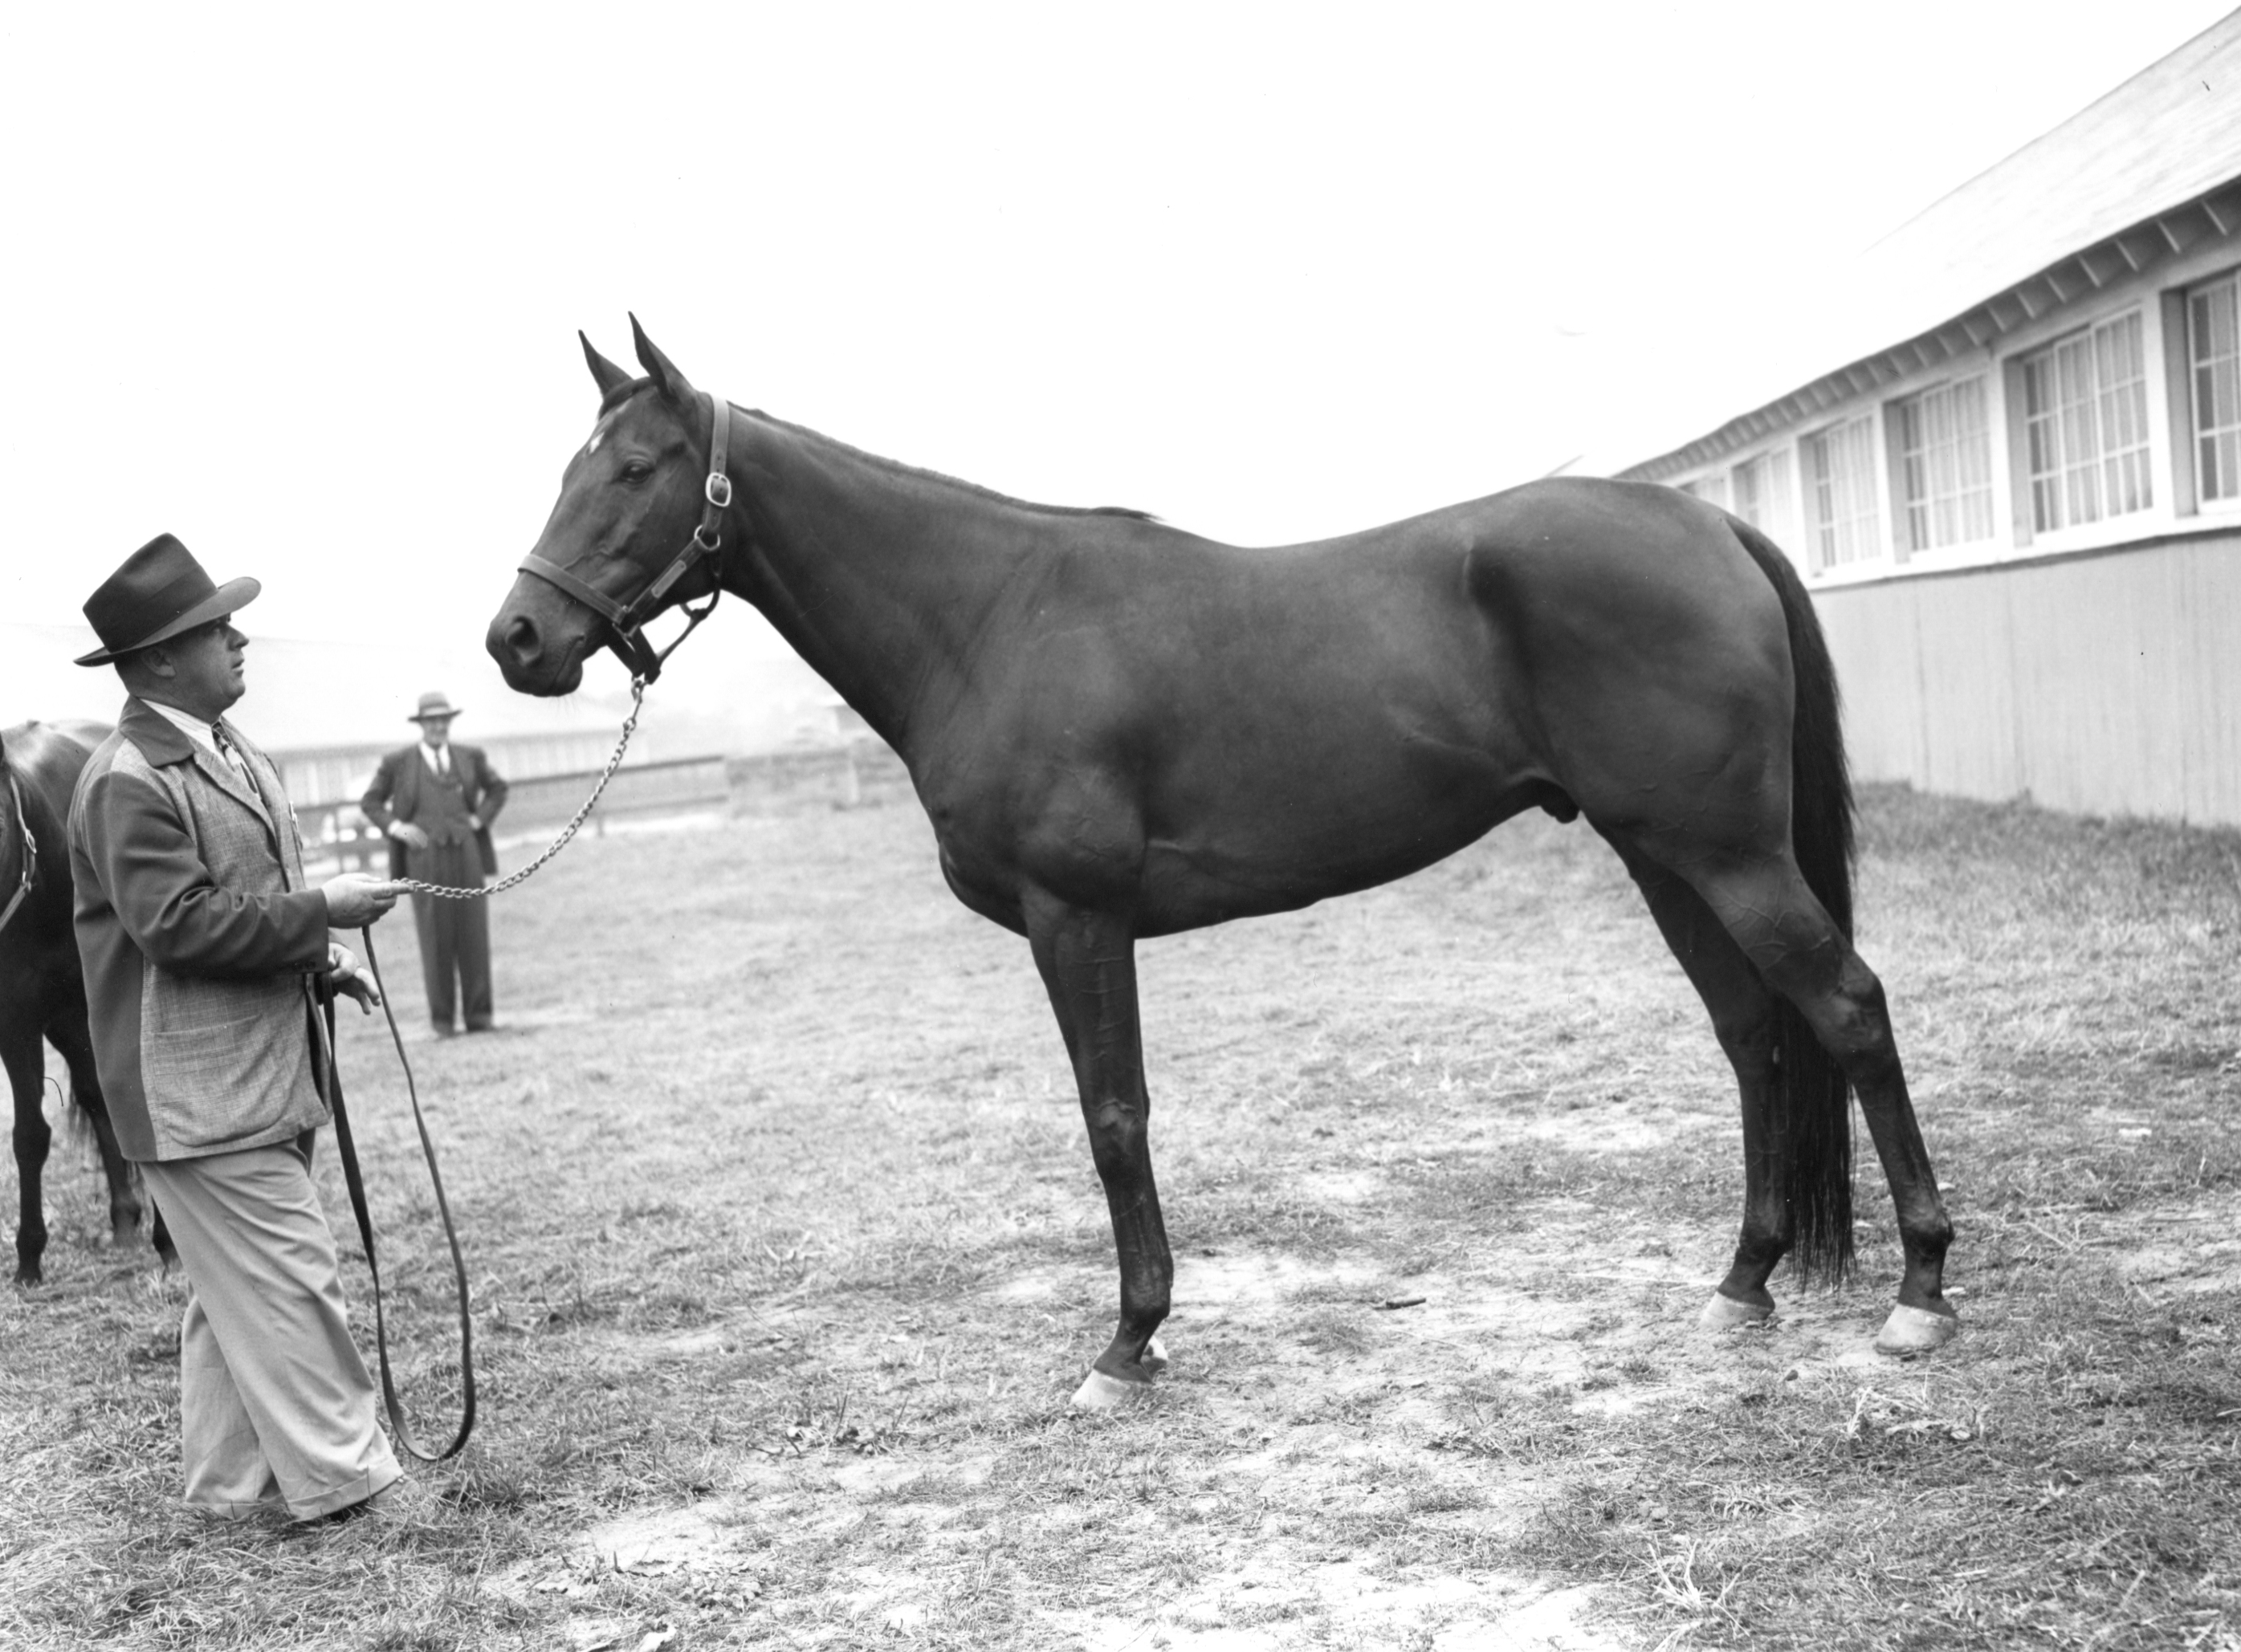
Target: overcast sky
{"points": [[303, 286]]}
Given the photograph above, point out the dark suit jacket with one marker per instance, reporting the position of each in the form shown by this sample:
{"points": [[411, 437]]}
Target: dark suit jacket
{"points": [[395, 795], [196, 933]]}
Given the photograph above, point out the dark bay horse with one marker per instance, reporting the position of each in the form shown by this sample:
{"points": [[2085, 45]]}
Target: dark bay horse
{"points": [[1122, 731], [42, 987]]}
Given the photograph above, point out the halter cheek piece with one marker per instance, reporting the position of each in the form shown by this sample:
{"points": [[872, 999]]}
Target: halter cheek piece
{"points": [[627, 620]]}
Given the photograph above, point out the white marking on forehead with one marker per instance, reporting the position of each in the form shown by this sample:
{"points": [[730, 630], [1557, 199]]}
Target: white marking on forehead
{"points": [[599, 434]]}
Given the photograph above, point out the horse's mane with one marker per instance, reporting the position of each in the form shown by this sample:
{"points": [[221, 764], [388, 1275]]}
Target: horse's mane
{"points": [[974, 488], [622, 394]]}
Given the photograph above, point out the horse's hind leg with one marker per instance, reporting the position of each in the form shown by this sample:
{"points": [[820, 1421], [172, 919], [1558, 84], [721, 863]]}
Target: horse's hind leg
{"points": [[1087, 960], [1742, 1012], [33, 1135], [1774, 916], [124, 1190]]}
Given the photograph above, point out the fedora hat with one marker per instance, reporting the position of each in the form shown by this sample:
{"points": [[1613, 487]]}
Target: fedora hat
{"points": [[160, 591], [433, 706]]}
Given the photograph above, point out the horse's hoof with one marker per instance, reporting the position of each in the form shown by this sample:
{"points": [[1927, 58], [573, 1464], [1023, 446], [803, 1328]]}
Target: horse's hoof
{"points": [[1723, 1313], [1915, 1330], [1155, 1356], [1098, 1391]]}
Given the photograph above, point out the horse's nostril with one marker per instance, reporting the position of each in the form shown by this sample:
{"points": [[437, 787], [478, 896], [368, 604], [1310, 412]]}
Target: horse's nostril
{"points": [[522, 641]]}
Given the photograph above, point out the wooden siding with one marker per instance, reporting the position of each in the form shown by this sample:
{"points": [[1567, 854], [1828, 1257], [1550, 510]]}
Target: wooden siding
{"points": [[2108, 684]]}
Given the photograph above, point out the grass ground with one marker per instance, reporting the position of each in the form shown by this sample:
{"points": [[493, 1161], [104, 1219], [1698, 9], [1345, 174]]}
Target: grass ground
{"points": [[786, 1255]]}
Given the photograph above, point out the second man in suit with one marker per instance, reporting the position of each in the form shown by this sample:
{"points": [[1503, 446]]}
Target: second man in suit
{"points": [[436, 801]]}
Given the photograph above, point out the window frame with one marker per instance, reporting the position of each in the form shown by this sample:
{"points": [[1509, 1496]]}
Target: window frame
{"points": [[2060, 427], [1902, 457], [1866, 519], [1776, 517], [2185, 365]]}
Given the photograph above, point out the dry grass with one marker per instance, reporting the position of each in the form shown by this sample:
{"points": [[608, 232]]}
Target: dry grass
{"points": [[787, 1253]]}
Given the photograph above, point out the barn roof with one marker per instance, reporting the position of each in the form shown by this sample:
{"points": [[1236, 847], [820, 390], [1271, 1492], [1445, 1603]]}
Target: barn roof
{"points": [[2144, 173]]}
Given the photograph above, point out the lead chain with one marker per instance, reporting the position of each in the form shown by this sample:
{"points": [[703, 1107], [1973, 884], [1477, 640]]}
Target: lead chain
{"points": [[630, 723]]}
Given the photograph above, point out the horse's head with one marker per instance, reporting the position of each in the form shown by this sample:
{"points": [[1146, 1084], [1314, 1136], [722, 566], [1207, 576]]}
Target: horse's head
{"points": [[616, 549]]}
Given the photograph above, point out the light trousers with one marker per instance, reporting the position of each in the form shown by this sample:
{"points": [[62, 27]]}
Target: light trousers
{"points": [[275, 1405]]}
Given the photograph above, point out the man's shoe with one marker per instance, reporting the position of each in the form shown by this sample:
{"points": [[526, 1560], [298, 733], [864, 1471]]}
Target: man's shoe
{"points": [[482, 1026], [446, 1032], [403, 1502]]}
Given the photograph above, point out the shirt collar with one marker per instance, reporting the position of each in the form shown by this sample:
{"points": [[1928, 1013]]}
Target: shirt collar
{"points": [[187, 722]]}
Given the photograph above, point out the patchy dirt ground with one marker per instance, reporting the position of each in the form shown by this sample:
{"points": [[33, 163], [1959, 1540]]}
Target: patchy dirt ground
{"points": [[788, 1254]]}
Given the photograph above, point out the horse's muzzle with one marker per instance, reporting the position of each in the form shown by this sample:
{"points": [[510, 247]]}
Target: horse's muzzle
{"points": [[532, 661]]}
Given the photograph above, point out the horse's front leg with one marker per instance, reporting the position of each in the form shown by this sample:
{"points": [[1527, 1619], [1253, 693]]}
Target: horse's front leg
{"points": [[33, 1135], [1088, 964]]}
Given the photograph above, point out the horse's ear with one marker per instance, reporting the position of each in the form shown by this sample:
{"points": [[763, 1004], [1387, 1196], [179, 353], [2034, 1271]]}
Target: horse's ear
{"points": [[664, 373], [608, 376]]}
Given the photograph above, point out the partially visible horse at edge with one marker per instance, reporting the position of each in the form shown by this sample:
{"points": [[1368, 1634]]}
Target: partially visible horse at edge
{"points": [[41, 985], [1121, 730]]}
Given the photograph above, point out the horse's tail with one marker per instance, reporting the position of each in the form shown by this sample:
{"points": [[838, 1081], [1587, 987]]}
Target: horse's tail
{"points": [[1812, 1091], [77, 1109]]}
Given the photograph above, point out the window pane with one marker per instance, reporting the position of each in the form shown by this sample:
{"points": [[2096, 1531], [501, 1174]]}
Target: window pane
{"points": [[1750, 491], [2086, 422], [1945, 465], [1762, 487], [2121, 374], [1841, 493]]}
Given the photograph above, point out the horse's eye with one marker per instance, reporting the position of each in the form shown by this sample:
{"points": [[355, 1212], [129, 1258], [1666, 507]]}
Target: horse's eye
{"points": [[636, 470]]}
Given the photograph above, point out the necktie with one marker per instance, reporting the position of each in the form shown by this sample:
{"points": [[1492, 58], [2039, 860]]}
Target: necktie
{"points": [[227, 750]]}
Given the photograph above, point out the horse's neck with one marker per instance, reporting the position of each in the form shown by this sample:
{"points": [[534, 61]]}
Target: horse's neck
{"points": [[46, 778], [881, 578]]}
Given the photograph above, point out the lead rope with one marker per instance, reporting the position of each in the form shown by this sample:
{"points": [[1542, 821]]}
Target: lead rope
{"points": [[347, 1149], [346, 1145]]}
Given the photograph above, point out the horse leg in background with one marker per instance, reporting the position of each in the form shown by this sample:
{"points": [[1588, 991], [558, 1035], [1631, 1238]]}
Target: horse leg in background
{"points": [[26, 1065], [1742, 1012], [1088, 965], [124, 1189], [1766, 906]]}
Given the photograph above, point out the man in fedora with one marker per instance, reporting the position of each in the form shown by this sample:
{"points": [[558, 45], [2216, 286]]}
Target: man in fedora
{"points": [[205, 949], [436, 800]]}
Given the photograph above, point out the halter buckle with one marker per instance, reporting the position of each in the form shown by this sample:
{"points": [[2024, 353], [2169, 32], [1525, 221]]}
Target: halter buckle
{"points": [[719, 492]]}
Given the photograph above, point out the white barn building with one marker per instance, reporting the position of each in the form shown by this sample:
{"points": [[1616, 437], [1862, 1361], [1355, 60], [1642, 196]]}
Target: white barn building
{"points": [[2018, 499]]}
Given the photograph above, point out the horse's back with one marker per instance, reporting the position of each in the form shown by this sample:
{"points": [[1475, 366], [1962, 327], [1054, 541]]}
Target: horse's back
{"points": [[1561, 627], [1261, 728], [1580, 565]]}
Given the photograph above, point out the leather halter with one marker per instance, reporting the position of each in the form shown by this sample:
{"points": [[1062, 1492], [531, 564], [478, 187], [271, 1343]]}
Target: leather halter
{"points": [[627, 619], [30, 872]]}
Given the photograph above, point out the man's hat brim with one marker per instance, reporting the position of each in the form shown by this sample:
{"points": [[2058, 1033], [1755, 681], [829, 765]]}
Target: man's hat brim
{"points": [[230, 597]]}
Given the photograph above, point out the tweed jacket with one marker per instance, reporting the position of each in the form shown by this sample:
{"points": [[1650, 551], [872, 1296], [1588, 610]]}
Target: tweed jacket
{"points": [[198, 938], [395, 795]]}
